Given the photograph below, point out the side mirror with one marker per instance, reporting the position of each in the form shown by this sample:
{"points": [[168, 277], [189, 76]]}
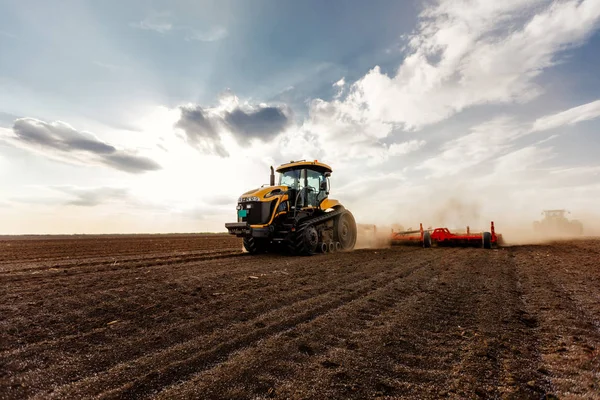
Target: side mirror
{"points": [[323, 186]]}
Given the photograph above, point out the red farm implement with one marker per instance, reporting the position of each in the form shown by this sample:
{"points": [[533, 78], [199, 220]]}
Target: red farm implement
{"points": [[444, 237], [411, 237]]}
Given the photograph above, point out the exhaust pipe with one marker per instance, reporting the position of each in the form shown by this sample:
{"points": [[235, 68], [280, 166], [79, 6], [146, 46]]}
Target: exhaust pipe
{"points": [[272, 177], [331, 247], [338, 246], [324, 247]]}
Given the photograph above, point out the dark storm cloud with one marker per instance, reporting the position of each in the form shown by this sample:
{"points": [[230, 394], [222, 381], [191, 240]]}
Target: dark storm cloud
{"points": [[201, 126], [263, 123], [200, 130], [59, 139], [195, 120]]}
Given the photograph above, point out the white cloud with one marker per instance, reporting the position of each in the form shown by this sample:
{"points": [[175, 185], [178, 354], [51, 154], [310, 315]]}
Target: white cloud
{"points": [[155, 21], [571, 116], [340, 83], [464, 53], [493, 138], [484, 142], [398, 149], [468, 53]]}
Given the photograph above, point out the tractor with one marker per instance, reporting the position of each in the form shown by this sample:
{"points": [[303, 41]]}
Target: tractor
{"points": [[556, 224], [296, 215]]}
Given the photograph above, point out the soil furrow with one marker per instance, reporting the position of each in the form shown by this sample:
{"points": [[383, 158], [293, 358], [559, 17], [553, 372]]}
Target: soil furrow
{"points": [[343, 329], [190, 316], [229, 339], [569, 337]]}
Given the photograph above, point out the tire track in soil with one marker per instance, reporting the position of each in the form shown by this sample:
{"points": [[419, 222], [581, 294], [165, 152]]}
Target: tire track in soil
{"points": [[188, 360], [355, 257], [129, 307], [40, 249], [569, 335], [71, 261], [332, 355], [449, 344], [246, 288], [108, 277], [288, 354], [502, 353], [112, 265]]}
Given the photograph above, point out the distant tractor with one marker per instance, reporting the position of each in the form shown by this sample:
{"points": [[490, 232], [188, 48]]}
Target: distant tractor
{"points": [[556, 224], [296, 215]]}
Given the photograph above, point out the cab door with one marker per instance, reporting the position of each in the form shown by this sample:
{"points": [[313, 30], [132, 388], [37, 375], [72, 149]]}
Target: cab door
{"points": [[313, 183]]}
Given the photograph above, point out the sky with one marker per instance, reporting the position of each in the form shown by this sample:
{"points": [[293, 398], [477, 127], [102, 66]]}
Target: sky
{"points": [[154, 116]]}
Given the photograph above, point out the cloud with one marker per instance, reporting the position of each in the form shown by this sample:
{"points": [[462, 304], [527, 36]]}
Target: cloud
{"points": [[494, 140], [464, 53], [200, 130], [258, 122], [467, 53], [205, 127], [87, 197], [161, 22], [59, 140], [340, 83], [155, 21], [484, 142], [398, 149], [571, 116]]}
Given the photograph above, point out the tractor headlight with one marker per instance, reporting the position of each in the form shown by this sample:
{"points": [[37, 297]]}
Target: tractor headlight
{"points": [[253, 198]]}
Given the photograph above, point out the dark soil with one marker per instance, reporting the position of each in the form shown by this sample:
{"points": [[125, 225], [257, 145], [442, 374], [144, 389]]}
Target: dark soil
{"points": [[191, 316]]}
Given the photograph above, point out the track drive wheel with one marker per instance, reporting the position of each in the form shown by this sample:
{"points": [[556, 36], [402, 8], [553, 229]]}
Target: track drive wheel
{"points": [[255, 245], [487, 240], [345, 230], [306, 241]]}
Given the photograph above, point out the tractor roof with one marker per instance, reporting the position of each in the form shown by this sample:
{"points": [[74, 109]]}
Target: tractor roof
{"points": [[314, 165]]}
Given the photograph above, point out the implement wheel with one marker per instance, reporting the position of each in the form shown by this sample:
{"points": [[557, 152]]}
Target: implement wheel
{"points": [[426, 240], [255, 245], [487, 240], [345, 230]]}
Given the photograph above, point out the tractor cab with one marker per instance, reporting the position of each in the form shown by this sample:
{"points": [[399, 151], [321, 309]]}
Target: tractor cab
{"points": [[307, 182], [551, 214]]}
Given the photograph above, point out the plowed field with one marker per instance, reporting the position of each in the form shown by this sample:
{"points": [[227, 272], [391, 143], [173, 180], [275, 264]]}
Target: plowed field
{"points": [[191, 316]]}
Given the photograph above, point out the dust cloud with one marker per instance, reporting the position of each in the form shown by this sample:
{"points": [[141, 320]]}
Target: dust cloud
{"points": [[515, 228], [370, 236]]}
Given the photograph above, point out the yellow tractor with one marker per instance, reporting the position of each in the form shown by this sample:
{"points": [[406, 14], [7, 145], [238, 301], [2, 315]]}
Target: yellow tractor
{"points": [[295, 215]]}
